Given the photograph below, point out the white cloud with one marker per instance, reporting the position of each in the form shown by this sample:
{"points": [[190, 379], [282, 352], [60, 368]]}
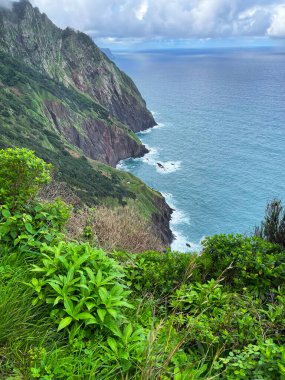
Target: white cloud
{"points": [[142, 10], [168, 19], [277, 27]]}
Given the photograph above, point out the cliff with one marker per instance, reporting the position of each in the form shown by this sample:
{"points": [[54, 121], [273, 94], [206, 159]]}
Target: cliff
{"points": [[79, 117], [72, 58]]}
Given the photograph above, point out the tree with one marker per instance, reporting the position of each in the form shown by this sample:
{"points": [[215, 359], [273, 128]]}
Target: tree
{"points": [[272, 228]]}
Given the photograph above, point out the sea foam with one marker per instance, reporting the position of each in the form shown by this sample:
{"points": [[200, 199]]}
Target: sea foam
{"points": [[162, 167]]}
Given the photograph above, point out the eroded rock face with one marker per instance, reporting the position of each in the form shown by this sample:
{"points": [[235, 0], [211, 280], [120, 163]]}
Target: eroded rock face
{"points": [[72, 58], [94, 137], [161, 220]]}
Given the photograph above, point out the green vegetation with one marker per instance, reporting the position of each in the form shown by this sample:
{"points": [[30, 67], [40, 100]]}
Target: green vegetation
{"points": [[21, 176], [70, 310]]}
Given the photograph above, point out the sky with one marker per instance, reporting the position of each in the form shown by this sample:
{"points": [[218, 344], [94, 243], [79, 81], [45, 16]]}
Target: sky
{"points": [[120, 24]]}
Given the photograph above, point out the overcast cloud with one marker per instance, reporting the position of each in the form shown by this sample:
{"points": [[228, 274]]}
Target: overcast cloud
{"points": [[168, 19]]}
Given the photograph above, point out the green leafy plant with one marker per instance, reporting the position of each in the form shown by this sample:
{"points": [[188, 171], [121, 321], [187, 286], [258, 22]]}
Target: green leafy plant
{"points": [[83, 286], [158, 273], [27, 229], [263, 361]]}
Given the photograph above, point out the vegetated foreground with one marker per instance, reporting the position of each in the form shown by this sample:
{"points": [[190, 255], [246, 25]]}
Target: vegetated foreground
{"points": [[70, 310]]}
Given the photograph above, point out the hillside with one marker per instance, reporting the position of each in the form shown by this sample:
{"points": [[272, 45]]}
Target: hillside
{"points": [[72, 58], [72, 310], [44, 109]]}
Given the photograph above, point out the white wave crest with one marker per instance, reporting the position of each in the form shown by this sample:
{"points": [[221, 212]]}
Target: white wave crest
{"points": [[168, 167], [152, 158], [178, 217], [180, 244]]}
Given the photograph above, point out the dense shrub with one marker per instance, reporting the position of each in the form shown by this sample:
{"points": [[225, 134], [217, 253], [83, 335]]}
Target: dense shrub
{"points": [[264, 361], [70, 311], [21, 176], [243, 261], [35, 224], [157, 273]]}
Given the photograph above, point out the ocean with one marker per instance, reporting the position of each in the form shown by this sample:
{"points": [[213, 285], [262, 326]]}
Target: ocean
{"points": [[217, 153]]}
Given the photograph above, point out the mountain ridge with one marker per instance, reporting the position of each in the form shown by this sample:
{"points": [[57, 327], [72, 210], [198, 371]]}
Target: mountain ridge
{"points": [[72, 58]]}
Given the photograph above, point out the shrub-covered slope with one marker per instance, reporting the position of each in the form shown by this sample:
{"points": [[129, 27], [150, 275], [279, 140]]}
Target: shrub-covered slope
{"points": [[70, 310]]}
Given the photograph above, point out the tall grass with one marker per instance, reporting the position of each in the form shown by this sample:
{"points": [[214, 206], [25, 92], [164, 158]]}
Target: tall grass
{"points": [[24, 328]]}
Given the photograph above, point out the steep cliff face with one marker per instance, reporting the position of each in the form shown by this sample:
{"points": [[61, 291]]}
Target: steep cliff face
{"points": [[72, 58], [94, 136], [28, 95]]}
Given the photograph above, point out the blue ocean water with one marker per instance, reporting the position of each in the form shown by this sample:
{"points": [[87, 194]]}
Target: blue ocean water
{"points": [[220, 137]]}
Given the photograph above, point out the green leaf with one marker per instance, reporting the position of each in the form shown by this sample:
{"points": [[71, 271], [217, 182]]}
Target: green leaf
{"points": [[103, 294], [113, 312], [128, 332], [90, 274], [99, 277], [91, 321], [113, 344], [68, 304], [101, 314], [64, 323], [55, 286], [56, 301], [29, 228], [6, 213], [84, 316], [90, 305], [282, 368], [70, 275], [35, 281]]}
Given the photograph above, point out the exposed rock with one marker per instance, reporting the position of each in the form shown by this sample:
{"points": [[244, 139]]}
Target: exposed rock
{"points": [[94, 137], [161, 220]]}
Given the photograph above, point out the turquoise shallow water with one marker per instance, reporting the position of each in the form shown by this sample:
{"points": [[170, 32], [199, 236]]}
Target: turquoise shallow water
{"points": [[220, 138]]}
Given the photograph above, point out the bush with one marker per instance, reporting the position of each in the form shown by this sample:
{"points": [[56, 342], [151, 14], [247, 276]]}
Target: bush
{"points": [[215, 319], [243, 262], [21, 176], [157, 273], [35, 224], [265, 361]]}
